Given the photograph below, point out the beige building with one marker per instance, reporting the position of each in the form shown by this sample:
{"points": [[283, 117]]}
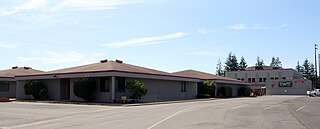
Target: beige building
{"points": [[8, 81], [274, 80], [221, 81]]}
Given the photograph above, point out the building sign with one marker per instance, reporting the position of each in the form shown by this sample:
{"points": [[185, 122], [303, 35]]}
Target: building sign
{"points": [[285, 84]]}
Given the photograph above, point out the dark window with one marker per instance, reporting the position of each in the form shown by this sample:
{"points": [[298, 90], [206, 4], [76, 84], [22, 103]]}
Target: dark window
{"points": [[272, 78], [260, 80], [264, 79], [104, 84], [253, 79], [249, 79], [284, 78], [242, 79], [238, 78], [276, 78], [4, 87], [183, 86], [120, 84]]}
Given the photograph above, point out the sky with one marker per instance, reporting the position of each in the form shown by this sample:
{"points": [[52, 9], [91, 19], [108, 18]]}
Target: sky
{"points": [[167, 35]]}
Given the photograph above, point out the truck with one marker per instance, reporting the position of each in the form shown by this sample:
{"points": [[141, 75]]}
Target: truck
{"points": [[314, 93]]}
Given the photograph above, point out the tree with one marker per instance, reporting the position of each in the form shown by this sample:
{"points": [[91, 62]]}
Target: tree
{"points": [[36, 89], [85, 88], [299, 67], [242, 64], [275, 62], [219, 68], [207, 89], [136, 89], [259, 62], [231, 63]]}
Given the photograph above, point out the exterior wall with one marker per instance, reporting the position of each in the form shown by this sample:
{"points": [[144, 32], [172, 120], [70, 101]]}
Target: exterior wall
{"points": [[52, 85], [12, 91], [298, 88]]}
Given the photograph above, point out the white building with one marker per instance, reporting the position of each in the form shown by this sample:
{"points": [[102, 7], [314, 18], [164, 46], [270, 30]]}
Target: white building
{"points": [[275, 80]]}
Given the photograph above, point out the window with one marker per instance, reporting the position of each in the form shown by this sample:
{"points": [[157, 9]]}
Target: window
{"points": [[264, 79], [284, 78], [253, 79], [242, 79], [104, 84], [120, 84], [260, 80], [249, 79], [4, 87], [183, 86], [276, 78], [272, 78]]}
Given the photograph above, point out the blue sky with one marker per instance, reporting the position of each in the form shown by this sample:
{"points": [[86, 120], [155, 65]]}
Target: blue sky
{"points": [[168, 35]]}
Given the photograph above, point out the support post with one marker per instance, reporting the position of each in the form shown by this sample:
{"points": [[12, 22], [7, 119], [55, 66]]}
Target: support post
{"points": [[315, 63], [112, 89]]}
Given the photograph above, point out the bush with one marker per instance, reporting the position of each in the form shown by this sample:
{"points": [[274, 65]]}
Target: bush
{"points": [[244, 91], [136, 89], [85, 89], [36, 89], [207, 87], [226, 91], [200, 96]]}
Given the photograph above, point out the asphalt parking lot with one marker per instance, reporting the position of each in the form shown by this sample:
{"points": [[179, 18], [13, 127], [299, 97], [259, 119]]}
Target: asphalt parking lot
{"points": [[267, 112]]}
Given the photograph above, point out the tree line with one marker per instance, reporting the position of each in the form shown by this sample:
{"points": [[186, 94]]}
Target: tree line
{"points": [[231, 64]]}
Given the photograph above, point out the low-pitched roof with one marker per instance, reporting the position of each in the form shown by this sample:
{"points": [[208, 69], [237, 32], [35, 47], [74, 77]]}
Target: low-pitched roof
{"points": [[203, 75], [106, 66], [15, 71]]}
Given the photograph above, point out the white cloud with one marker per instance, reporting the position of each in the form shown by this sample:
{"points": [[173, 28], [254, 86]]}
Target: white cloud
{"points": [[241, 26], [7, 45], [28, 5], [204, 53], [91, 4], [50, 57], [146, 40]]}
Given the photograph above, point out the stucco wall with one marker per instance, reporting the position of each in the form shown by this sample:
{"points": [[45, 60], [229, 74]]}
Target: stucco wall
{"points": [[298, 88], [12, 91], [52, 85]]}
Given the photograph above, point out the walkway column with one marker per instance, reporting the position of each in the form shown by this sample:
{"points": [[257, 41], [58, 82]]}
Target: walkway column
{"points": [[113, 85]]}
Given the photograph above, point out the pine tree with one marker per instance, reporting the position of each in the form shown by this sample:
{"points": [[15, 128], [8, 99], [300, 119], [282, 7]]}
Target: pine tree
{"points": [[259, 62], [231, 63], [273, 62], [219, 70], [242, 64], [299, 67], [278, 62]]}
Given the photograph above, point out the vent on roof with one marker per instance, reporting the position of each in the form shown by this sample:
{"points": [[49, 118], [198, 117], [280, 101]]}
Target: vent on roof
{"points": [[14, 67], [27, 68], [104, 61], [119, 61]]}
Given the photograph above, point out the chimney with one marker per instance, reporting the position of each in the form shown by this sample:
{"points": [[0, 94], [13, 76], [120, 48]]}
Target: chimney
{"points": [[27, 68], [104, 61], [119, 61], [14, 67]]}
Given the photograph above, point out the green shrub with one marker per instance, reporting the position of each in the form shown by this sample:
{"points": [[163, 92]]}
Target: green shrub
{"points": [[203, 96], [136, 89], [226, 91], [85, 88], [244, 91], [36, 89]]}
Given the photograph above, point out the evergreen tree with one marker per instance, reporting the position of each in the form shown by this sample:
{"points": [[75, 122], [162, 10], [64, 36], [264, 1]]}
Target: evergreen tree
{"points": [[242, 64], [259, 62], [278, 62], [275, 62], [299, 67], [219, 68], [231, 63]]}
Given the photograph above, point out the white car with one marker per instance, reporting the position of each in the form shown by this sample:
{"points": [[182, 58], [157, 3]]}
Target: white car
{"points": [[314, 93]]}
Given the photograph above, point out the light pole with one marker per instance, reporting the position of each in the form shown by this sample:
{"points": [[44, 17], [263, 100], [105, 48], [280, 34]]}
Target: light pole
{"points": [[315, 63]]}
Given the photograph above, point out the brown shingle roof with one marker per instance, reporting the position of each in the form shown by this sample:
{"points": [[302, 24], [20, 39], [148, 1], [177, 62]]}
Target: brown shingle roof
{"points": [[10, 73], [202, 75], [109, 66]]}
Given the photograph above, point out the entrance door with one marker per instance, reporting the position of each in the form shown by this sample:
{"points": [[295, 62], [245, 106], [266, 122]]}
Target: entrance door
{"points": [[65, 89]]}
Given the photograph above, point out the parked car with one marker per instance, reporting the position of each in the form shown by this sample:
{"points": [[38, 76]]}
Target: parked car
{"points": [[314, 93]]}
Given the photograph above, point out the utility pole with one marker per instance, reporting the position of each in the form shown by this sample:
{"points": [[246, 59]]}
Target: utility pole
{"points": [[315, 63]]}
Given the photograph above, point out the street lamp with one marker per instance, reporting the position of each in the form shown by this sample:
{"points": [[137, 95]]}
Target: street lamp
{"points": [[315, 63]]}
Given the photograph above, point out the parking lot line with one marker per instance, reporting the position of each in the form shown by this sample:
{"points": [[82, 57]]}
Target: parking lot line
{"points": [[239, 106], [271, 106], [301, 108]]}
